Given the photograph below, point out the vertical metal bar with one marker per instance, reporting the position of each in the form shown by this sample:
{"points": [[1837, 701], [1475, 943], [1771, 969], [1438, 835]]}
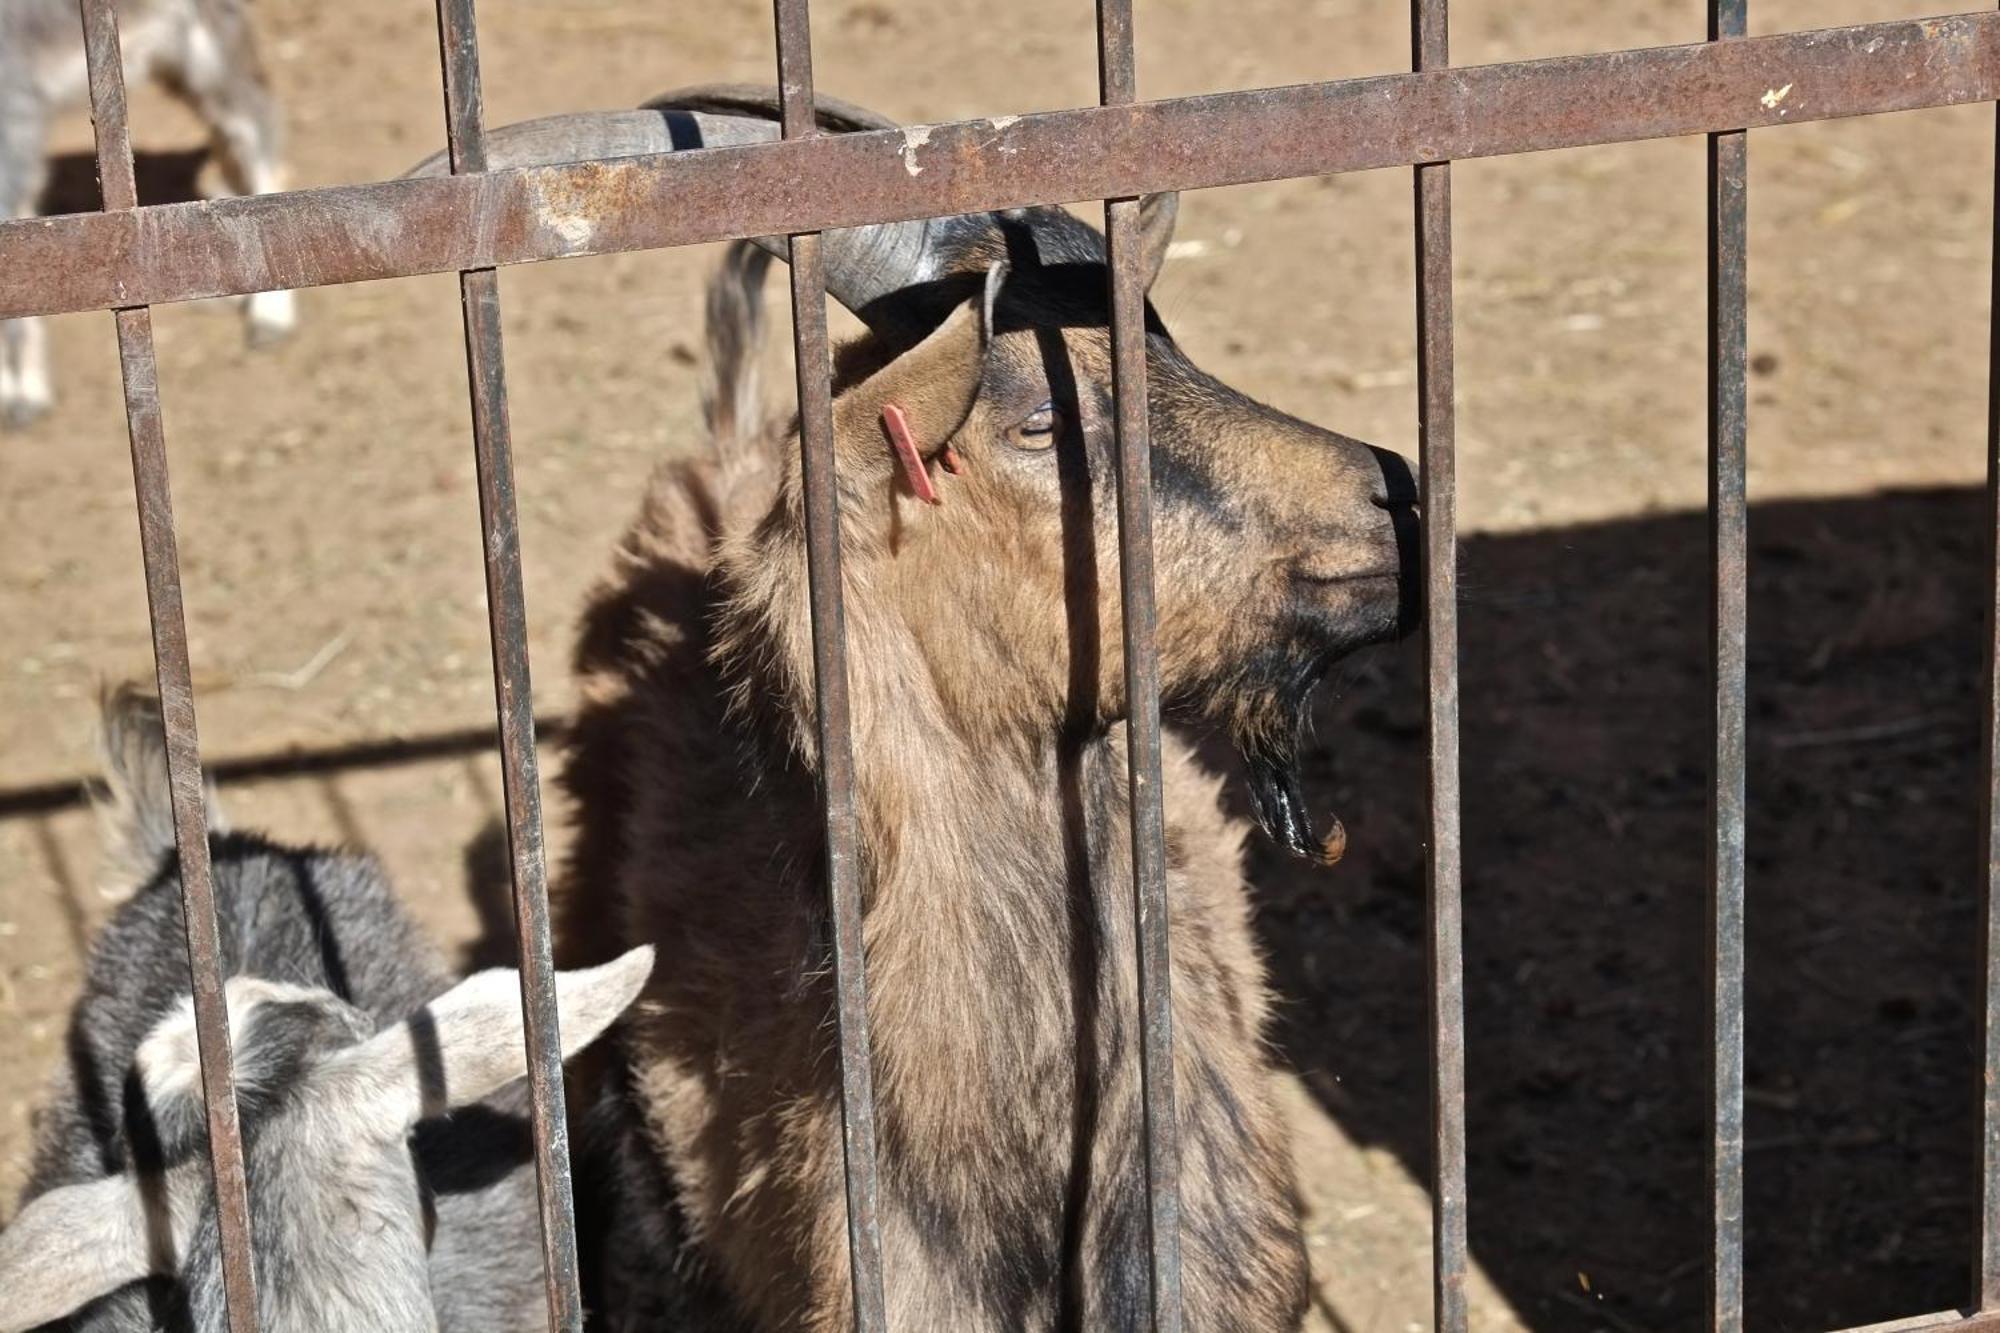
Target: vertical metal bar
{"points": [[507, 623], [1436, 406], [1728, 299], [836, 754], [1118, 86], [161, 552], [1989, 885]]}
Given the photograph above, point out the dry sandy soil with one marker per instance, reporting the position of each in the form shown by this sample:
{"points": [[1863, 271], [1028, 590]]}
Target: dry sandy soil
{"points": [[328, 521]]}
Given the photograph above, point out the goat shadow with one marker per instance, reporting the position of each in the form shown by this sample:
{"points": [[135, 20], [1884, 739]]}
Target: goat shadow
{"points": [[1585, 711], [489, 886], [172, 177]]}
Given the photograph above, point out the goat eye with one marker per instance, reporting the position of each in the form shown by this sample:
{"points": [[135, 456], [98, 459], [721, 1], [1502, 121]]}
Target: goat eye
{"points": [[1037, 430]]}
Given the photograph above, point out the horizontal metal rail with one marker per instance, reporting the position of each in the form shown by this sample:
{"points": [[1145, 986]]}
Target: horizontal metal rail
{"points": [[308, 238]]}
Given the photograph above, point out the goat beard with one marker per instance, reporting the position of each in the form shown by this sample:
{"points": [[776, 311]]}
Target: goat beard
{"points": [[1280, 806], [1268, 728]]}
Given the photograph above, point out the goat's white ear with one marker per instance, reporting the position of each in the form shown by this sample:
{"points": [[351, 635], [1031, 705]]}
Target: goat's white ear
{"points": [[468, 1043], [72, 1245]]}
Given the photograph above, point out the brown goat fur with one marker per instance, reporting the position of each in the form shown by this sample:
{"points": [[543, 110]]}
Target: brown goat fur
{"points": [[995, 861]]}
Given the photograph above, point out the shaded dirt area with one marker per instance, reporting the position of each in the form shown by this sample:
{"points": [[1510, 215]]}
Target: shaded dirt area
{"points": [[330, 550], [1585, 753]]}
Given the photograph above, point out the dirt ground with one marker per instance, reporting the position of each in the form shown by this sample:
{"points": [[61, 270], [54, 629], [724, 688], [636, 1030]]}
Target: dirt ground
{"points": [[330, 553]]}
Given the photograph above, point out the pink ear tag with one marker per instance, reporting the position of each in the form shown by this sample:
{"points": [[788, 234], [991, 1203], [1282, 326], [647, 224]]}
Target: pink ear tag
{"points": [[897, 424]]}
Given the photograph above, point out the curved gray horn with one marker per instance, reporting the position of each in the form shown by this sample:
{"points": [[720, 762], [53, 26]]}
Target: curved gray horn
{"points": [[760, 101], [579, 136], [863, 264]]}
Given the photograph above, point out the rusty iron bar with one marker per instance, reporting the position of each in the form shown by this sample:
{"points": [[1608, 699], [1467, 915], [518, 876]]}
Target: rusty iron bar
{"points": [[1987, 1267], [1430, 49], [173, 672], [1118, 86], [1728, 299], [1938, 63], [178, 252], [814, 368], [507, 625]]}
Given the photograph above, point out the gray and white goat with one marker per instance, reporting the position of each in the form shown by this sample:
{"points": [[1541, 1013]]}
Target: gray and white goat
{"points": [[200, 50], [369, 1209]]}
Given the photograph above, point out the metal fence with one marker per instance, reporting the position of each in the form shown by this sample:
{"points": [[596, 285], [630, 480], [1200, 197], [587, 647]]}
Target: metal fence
{"points": [[127, 258]]}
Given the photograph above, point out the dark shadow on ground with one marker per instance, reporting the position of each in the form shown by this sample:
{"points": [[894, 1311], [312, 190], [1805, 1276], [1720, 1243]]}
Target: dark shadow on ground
{"points": [[163, 177], [1585, 741], [41, 798], [489, 885]]}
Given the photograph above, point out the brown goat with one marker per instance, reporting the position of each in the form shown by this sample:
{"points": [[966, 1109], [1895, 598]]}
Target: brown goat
{"points": [[987, 693]]}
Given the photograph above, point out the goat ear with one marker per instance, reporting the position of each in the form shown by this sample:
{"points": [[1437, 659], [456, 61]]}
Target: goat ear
{"points": [[135, 812], [468, 1043], [934, 383], [1157, 215], [72, 1245]]}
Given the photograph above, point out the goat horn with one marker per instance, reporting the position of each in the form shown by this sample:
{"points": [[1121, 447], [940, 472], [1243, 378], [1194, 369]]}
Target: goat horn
{"points": [[863, 264]]}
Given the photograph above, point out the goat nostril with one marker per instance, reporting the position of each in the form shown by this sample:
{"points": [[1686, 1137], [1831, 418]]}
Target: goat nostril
{"points": [[1394, 483]]}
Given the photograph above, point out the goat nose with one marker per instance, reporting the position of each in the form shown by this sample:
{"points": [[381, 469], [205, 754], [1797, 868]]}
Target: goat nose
{"points": [[1395, 486]]}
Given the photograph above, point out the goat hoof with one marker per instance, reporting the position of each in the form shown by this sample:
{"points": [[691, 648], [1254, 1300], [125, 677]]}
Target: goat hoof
{"points": [[269, 319]]}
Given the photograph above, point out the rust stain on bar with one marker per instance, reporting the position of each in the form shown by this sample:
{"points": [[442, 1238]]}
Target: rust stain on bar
{"points": [[160, 551], [177, 252], [814, 366], [1728, 299], [507, 623], [1437, 409]]}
